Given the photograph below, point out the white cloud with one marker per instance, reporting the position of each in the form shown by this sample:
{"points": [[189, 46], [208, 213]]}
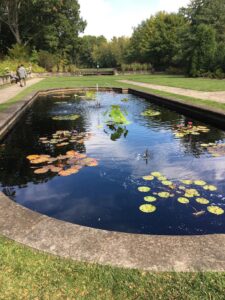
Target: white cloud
{"points": [[104, 17]]}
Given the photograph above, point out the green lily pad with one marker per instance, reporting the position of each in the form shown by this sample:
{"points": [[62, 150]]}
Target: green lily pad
{"points": [[164, 195], [147, 208], [199, 182], [156, 174], [167, 182], [150, 199], [211, 188], [148, 178], [66, 118], [183, 200], [216, 210], [162, 178], [187, 182], [150, 113], [144, 189], [202, 201]]}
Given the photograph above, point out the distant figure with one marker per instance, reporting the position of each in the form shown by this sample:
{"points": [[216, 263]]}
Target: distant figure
{"points": [[14, 78], [22, 74]]}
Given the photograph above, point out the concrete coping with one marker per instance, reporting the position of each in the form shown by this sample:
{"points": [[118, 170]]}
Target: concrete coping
{"points": [[147, 252]]}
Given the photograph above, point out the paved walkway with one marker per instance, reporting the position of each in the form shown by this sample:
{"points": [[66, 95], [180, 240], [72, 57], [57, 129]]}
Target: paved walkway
{"points": [[10, 92], [214, 96]]}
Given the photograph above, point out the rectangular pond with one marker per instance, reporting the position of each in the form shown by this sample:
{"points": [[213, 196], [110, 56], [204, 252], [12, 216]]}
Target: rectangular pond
{"points": [[116, 162]]}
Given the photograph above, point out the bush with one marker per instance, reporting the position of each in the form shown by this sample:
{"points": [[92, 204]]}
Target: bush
{"points": [[47, 60], [136, 67], [19, 52], [10, 65]]}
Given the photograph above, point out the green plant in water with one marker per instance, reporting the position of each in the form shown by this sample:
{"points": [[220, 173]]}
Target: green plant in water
{"points": [[90, 95], [150, 113], [117, 116], [66, 118]]}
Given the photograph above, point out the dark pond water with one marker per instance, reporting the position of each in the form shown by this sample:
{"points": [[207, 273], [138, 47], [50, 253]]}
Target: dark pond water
{"points": [[107, 196]]}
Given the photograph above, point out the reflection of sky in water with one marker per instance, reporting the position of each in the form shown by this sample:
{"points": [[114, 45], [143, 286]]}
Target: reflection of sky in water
{"points": [[106, 196]]}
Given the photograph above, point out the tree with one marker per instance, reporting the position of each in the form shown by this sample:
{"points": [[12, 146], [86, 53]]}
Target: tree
{"points": [[9, 15]]}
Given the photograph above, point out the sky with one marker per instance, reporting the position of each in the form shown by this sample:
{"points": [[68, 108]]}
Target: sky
{"points": [[119, 17]]}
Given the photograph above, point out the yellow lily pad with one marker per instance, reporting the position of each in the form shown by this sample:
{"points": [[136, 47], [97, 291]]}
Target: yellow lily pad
{"points": [[211, 188], [202, 201], [164, 195], [156, 174], [147, 208], [216, 210], [199, 182], [183, 200], [162, 178], [190, 193], [144, 189], [150, 198], [187, 182], [166, 182], [179, 135], [148, 178]]}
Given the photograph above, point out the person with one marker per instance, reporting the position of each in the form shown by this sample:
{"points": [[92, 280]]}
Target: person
{"points": [[22, 74], [14, 78]]}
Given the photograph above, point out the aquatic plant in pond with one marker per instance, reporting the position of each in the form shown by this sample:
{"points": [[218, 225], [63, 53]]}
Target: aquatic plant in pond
{"points": [[182, 130], [66, 118], [150, 113], [215, 149], [117, 116], [186, 196]]}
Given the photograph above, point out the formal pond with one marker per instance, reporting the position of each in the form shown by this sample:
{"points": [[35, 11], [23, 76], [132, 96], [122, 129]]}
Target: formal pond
{"points": [[116, 162]]}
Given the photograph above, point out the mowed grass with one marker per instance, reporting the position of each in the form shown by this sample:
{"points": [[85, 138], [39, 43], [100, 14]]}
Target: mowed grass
{"points": [[113, 81], [29, 274], [198, 84]]}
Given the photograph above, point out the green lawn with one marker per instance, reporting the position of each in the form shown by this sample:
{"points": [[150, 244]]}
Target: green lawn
{"points": [[109, 81], [28, 274], [198, 84]]}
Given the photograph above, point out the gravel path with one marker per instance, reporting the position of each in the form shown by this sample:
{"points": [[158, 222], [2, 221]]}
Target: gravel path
{"points": [[214, 96], [10, 92]]}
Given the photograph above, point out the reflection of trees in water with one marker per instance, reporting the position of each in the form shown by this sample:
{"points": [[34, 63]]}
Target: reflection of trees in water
{"points": [[118, 131], [15, 169]]}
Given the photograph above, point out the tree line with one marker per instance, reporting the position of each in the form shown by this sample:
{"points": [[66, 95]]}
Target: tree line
{"points": [[47, 32]]}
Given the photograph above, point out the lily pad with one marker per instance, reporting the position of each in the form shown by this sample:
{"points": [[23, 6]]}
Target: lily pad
{"points": [[199, 182], [150, 199], [183, 200], [147, 208], [144, 189], [148, 178], [150, 113], [211, 188], [41, 171], [164, 194], [202, 201], [167, 182], [216, 210], [187, 182], [66, 118], [156, 174]]}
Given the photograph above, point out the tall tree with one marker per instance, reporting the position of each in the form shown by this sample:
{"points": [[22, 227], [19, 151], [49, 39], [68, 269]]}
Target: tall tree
{"points": [[9, 15]]}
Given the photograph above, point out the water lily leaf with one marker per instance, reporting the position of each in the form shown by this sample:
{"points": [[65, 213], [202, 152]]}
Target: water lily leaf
{"points": [[156, 174], [62, 145], [204, 145], [147, 208], [199, 182], [148, 178], [41, 171], [187, 182], [150, 199], [33, 157], [54, 169], [183, 200], [162, 178], [190, 193], [202, 201], [166, 182], [181, 187], [144, 189], [216, 210], [164, 194], [125, 100], [179, 135], [150, 113], [211, 188], [66, 118]]}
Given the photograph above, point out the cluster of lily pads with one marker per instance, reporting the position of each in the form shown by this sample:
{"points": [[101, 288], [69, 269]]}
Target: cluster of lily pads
{"points": [[150, 113], [183, 130], [117, 116], [70, 163], [63, 138], [186, 191], [88, 95], [215, 149]]}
